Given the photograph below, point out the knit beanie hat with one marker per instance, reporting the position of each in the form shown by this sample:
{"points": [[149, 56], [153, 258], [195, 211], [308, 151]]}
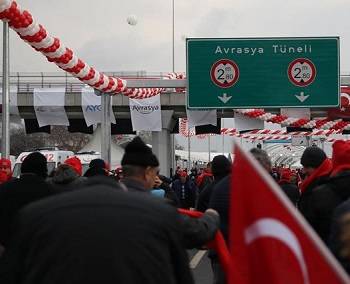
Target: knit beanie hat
{"points": [[97, 163], [340, 156], [137, 153], [313, 157], [35, 163], [220, 166], [75, 163]]}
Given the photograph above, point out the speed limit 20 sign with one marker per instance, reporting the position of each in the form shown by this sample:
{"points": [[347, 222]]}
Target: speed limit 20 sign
{"points": [[263, 72]]}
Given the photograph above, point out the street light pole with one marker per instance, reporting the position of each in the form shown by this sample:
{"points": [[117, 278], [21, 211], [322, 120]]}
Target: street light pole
{"points": [[173, 38], [172, 151], [5, 141]]}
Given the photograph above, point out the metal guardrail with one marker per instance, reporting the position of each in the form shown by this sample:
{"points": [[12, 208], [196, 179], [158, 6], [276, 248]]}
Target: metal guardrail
{"points": [[26, 82]]}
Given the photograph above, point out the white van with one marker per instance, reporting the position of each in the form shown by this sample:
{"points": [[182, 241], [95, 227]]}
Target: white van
{"points": [[86, 158], [54, 158]]}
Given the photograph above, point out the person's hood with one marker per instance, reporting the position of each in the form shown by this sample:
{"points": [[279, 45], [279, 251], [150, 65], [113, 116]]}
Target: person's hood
{"points": [[65, 176], [323, 170]]}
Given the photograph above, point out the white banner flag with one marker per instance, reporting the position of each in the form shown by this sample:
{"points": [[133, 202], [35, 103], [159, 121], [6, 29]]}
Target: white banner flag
{"points": [[13, 100], [91, 105], [146, 114], [49, 106], [243, 123], [201, 117]]}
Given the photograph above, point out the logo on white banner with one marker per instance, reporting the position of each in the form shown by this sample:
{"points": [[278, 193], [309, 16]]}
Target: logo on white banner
{"points": [[145, 109], [146, 114]]}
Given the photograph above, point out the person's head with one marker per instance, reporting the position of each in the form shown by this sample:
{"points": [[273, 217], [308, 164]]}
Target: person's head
{"points": [[64, 174], [97, 167], [286, 175], [262, 157], [5, 167], [157, 182], [312, 158], [340, 157], [75, 163], [35, 163], [140, 163], [183, 177], [208, 168], [220, 166]]}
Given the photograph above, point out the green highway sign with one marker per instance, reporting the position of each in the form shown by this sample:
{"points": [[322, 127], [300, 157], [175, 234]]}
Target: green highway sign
{"points": [[263, 72]]}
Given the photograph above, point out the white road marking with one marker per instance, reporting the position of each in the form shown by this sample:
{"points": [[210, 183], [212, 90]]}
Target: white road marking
{"points": [[197, 258]]}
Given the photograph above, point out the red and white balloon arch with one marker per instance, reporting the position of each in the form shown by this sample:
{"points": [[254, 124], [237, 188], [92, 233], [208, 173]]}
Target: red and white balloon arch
{"points": [[23, 23]]}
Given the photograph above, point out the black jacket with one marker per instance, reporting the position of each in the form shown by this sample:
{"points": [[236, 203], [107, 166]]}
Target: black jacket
{"points": [[291, 190], [186, 193], [305, 200], [66, 180], [205, 194], [335, 242], [97, 235], [196, 232], [324, 199], [219, 201], [14, 195]]}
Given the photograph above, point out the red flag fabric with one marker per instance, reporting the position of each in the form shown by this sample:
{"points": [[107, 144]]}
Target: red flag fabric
{"points": [[218, 243], [344, 110], [270, 242]]}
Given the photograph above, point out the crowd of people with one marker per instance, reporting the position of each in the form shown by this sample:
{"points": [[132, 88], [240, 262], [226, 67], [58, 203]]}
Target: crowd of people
{"points": [[124, 227]]}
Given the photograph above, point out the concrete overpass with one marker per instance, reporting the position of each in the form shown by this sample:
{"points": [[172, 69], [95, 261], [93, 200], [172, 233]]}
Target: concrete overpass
{"points": [[173, 102], [170, 99]]}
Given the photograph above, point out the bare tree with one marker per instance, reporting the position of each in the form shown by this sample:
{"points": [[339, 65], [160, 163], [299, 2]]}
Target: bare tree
{"points": [[59, 137]]}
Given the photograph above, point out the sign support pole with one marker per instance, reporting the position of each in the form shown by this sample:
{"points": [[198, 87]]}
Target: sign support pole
{"points": [[106, 128]]}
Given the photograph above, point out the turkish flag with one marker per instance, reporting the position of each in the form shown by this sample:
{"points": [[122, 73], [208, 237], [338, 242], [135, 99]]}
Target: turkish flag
{"points": [[270, 242], [343, 111]]}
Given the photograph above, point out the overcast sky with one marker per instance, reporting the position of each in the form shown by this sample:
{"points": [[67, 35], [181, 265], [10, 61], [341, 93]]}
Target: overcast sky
{"points": [[99, 33]]}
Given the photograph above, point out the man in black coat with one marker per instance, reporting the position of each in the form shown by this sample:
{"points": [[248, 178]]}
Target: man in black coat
{"points": [[339, 228], [97, 235], [16, 193], [331, 194], [290, 189], [140, 169], [220, 168], [220, 200], [317, 168], [185, 190]]}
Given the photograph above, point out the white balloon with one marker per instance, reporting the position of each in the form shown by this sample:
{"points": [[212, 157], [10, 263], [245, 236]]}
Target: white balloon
{"points": [[132, 20]]}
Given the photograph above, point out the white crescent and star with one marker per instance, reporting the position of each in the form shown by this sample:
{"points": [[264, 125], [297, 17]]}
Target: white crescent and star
{"points": [[273, 228]]}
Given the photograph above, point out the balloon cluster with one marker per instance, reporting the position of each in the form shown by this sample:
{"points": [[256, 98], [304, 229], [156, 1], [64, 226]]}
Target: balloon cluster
{"points": [[296, 122], [35, 35]]}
